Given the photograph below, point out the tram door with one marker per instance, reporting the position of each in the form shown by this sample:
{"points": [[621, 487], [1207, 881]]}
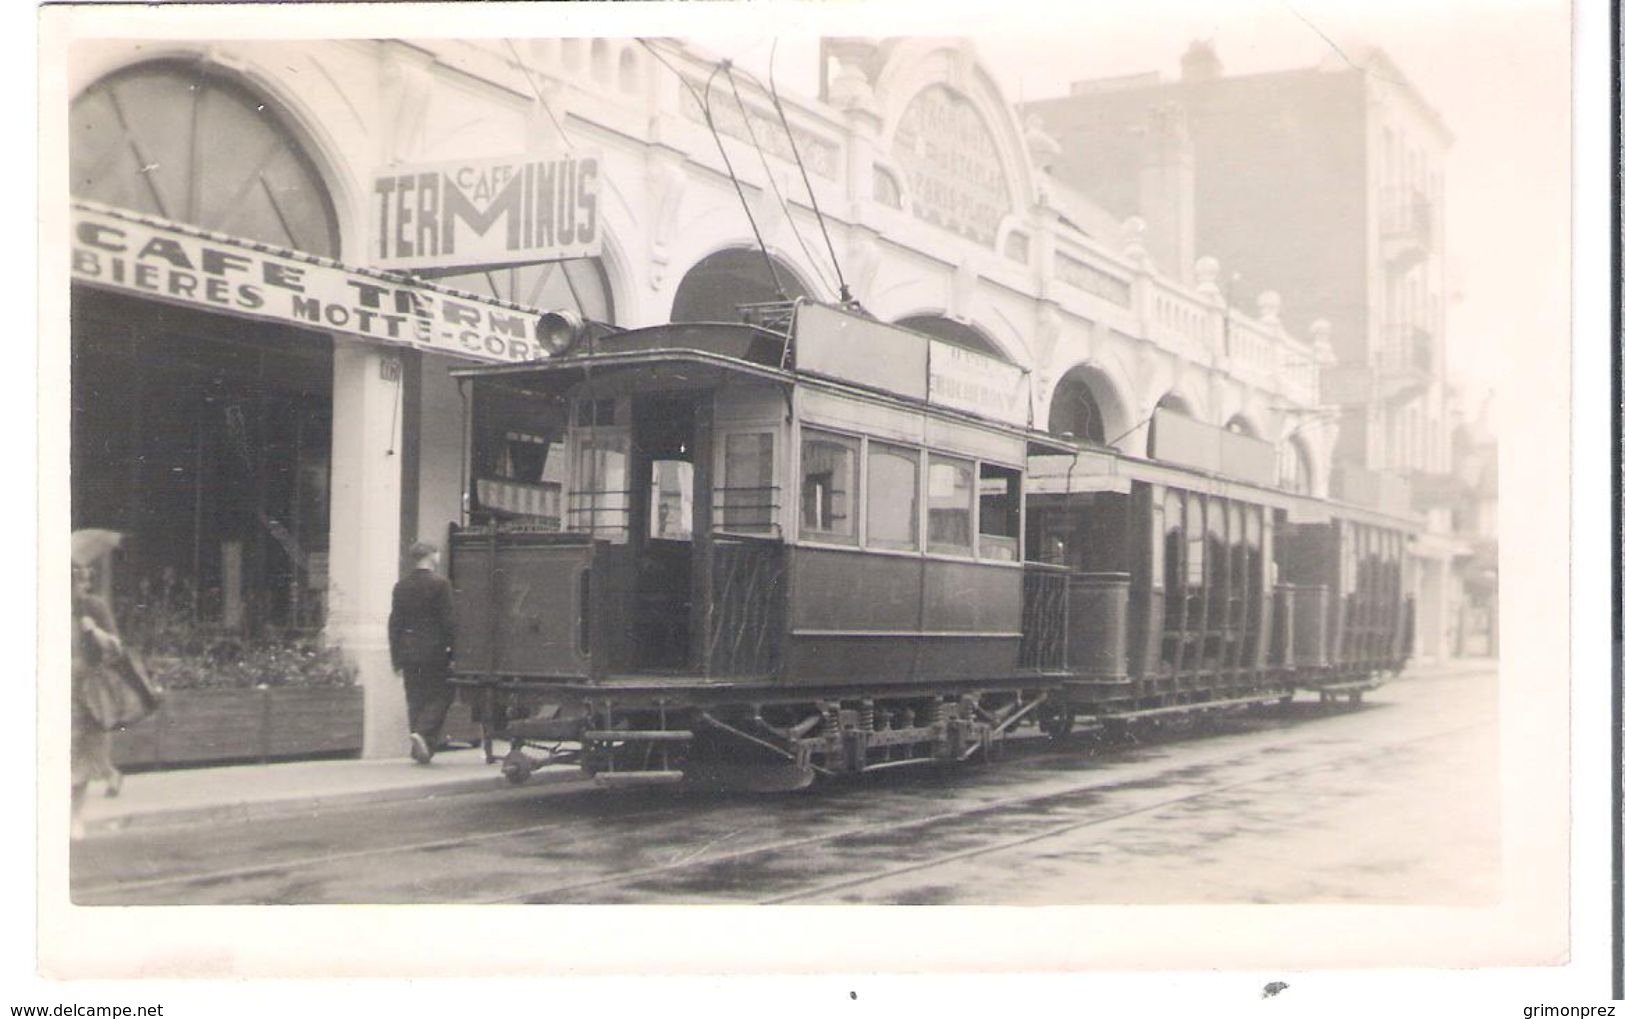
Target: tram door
{"points": [[663, 523]]}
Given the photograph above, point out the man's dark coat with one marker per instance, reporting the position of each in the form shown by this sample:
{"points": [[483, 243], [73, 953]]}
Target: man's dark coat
{"points": [[420, 622]]}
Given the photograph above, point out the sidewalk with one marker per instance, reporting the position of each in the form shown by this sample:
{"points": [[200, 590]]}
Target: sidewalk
{"points": [[257, 791]]}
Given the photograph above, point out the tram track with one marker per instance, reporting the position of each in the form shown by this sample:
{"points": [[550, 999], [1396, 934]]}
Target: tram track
{"points": [[584, 839], [258, 870], [558, 893]]}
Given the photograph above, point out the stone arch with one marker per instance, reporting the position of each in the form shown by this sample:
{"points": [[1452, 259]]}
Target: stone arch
{"points": [[1295, 466], [952, 330], [716, 284], [134, 147], [1087, 403]]}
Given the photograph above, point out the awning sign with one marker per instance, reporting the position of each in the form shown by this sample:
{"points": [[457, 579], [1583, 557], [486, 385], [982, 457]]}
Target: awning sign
{"points": [[487, 212], [185, 266]]}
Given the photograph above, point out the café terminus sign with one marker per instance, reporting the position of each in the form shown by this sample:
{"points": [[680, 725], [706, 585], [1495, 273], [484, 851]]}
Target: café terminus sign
{"points": [[140, 255], [487, 212]]}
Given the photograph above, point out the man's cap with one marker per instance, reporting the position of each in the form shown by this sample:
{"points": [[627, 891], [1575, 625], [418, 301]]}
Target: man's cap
{"points": [[421, 550]]}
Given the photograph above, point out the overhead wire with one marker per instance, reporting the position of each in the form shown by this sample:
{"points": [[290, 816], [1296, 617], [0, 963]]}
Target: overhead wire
{"points": [[716, 136], [773, 90], [774, 184]]}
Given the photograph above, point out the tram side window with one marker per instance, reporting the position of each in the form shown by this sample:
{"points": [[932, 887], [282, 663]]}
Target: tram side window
{"points": [[999, 518], [829, 487], [950, 496], [1195, 544], [892, 503], [1173, 542], [748, 498], [600, 499]]}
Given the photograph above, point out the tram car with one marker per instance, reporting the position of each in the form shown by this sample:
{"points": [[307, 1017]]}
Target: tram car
{"points": [[811, 544]]}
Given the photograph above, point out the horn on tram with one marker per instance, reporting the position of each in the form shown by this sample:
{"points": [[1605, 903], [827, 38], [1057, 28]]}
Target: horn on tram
{"points": [[558, 331]]}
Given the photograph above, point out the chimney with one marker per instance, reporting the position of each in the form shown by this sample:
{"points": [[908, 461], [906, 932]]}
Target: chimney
{"points": [[1200, 62], [1168, 190]]}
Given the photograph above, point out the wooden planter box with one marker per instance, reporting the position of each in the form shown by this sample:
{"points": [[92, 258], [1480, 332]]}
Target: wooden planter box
{"points": [[206, 726]]}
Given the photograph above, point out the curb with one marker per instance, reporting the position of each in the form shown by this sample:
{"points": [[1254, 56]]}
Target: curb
{"points": [[288, 806]]}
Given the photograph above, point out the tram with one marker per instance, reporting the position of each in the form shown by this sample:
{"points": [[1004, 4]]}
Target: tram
{"points": [[810, 544]]}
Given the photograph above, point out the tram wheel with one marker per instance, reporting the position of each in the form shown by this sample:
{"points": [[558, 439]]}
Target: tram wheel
{"points": [[1058, 723]]}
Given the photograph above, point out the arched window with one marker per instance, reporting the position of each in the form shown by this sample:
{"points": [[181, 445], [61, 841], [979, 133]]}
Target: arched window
{"points": [[629, 70], [952, 331], [718, 284], [175, 140], [575, 284], [1075, 411]]}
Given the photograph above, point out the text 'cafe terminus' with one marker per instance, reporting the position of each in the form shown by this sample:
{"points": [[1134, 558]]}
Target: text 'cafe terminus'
{"points": [[279, 251]]}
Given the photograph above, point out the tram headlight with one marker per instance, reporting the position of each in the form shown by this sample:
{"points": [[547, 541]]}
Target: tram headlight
{"points": [[558, 331]]}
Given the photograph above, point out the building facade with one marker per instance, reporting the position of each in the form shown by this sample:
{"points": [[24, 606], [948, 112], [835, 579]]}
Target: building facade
{"points": [[270, 419], [1325, 185]]}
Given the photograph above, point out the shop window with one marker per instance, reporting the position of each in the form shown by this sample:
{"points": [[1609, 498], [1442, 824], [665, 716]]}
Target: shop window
{"points": [[949, 505], [747, 501], [211, 456], [671, 500], [892, 509], [999, 516], [599, 501], [829, 487]]}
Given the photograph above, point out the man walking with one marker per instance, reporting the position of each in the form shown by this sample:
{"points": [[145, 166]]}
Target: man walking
{"points": [[420, 628]]}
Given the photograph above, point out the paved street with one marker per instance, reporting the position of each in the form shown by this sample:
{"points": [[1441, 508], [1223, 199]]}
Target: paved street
{"points": [[1394, 802]]}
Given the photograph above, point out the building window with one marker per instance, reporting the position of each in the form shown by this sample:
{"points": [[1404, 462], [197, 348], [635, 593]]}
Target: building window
{"points": [[887, 192], [829, 487], [999, 516], [950, 503], [748, 498], [893, 507], [178, 141]]}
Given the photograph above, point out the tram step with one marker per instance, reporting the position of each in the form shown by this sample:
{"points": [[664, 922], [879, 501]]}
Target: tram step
{"points": [[649, 735]]}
